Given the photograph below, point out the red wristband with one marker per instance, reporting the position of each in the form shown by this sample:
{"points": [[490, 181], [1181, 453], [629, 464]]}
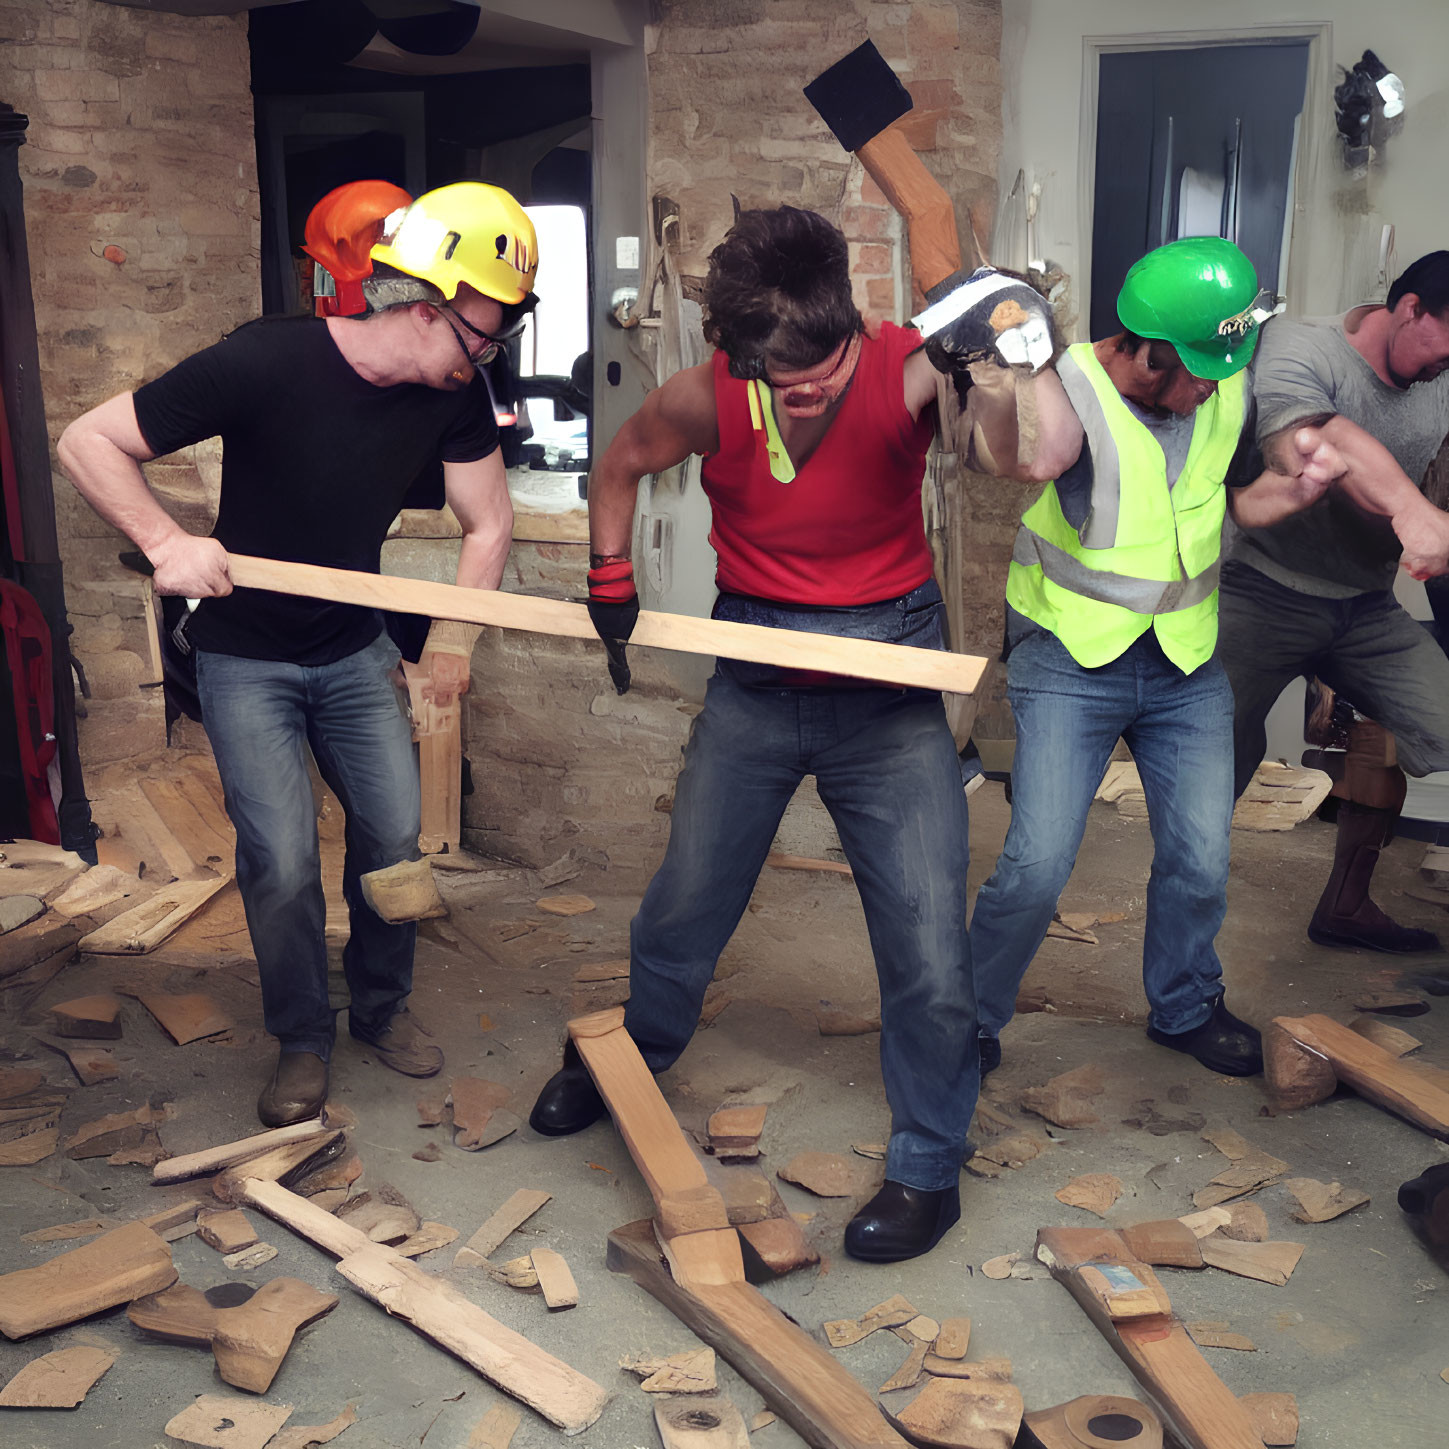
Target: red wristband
{"points": [[613, 582]]}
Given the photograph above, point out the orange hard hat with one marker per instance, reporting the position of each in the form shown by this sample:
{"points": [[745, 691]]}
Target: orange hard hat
{"points": [[347, 223]]}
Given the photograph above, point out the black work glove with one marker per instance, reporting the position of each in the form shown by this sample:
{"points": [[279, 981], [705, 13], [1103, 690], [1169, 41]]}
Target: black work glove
{"points": [[614, 610], [990, 316]]}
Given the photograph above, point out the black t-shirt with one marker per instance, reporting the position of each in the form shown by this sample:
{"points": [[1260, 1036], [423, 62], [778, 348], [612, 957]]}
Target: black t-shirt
{"points": [[316, 461]]}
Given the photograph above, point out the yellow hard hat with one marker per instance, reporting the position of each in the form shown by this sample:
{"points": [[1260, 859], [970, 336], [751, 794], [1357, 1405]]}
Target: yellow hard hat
{"points": [[468, 232]]}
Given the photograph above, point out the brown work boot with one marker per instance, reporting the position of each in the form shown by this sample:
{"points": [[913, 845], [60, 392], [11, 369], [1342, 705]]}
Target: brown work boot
{"points": [[1345, 916], [405, 1047], [297, 1090]]}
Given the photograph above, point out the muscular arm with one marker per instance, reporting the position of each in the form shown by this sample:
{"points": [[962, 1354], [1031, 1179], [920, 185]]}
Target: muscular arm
{"points": [[1373, 479], [676, 420], [102, 452], [1304, 465]]}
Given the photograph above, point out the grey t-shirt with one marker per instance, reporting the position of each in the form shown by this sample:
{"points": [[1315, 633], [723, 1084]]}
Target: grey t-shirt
{"points": [[1308, 370]]}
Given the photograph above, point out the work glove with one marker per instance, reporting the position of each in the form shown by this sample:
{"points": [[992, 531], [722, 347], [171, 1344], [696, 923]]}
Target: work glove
{"points": [[614, 610], [989, 316]]}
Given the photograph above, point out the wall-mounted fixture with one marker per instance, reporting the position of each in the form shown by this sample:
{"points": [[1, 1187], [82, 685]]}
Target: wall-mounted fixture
{"points": [[1370, 108]]}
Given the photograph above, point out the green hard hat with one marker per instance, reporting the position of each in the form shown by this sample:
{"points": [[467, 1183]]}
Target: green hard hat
{"points": [[1200, 294]]}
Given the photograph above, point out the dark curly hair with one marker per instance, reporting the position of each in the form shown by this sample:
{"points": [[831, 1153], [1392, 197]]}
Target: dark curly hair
{"points": [[779, 287], [1428, 280]]}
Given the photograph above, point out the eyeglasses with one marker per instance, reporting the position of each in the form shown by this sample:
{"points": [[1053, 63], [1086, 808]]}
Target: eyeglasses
{"points": [[491, 345]]}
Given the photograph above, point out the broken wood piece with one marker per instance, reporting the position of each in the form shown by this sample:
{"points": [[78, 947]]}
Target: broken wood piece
{"points": [[516, 1211], [960, 1368], [778, 860], [1321, 1202], [1394, 1041], [1276, 1416], [1296, 1076], [211, 1159], [518, 1273], [1015, 1150], [689, 1372], [93, 1017], [908, 1375], [58, 1380], [115, 1268], [282, 1164], [1069, 1425], [779, 1243], [1209, 1220], [1005, 1266], [731, 1128], [1059, 930], [223, 1421], [403, 892], [406, 1290], [921, 1326], [800, 1380], [954, 1338], [1065, 1100], [861, 658], [249, 1340], [64, 1232], [114, 1131], [1268, 1262], [895, 1311], [429, 1237], [495, 1430], [1218, 1335], [1094, 1191], [963, 1414], [1164, 1244], [475, 1099], [603, 971], [1197, 1405], [144, 927], [227, 1230], [306, 1436], [29, 1148], [761, 1420], [176, 1215], [565, 905], [845, 1023], [384, 1215], [826, 1174], [711, 1422], [1410, 1091], [559, 1289], [245, 1259], [1247, 1222], [186, 1018]]}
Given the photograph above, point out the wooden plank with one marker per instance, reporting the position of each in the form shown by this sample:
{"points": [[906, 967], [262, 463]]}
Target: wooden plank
{"points": [[144, 927], [58, 1380], [520, 1206], [1178, 1381], [118, 1266], [1402, 1087], [438, 732], [800, 1380], [228, 1154], [858, 658], [189, 815], [555, 1279], [561, 1394]]}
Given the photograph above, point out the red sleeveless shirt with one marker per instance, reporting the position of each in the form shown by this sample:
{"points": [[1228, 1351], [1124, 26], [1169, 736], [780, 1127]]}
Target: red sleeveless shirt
{"points": [[848, 529]]}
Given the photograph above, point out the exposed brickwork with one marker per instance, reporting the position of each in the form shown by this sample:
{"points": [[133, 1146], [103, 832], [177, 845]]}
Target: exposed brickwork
{"points": [[142, 220]]}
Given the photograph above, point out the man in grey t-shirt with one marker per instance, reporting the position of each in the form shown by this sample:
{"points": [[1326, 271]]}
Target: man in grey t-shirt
{"points": [[1311, 592]]}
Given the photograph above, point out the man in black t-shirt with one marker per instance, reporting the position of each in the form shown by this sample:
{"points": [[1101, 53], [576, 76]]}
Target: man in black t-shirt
{"points": [[324, 424]]}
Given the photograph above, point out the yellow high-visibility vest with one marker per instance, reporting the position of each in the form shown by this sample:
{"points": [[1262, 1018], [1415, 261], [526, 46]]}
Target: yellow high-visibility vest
{"points": [[1147, 556]]}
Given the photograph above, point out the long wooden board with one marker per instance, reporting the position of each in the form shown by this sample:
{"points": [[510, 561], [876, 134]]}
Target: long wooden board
{"points": [[1096, 1268], [145, 926], [792, 649], [1403, 1087], [690, 1260], [561, 1394]]}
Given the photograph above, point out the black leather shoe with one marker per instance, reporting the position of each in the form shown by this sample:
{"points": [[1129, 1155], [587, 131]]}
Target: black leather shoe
{"points": [[296, 1091], [1222, 1043], [901, 1222], [569, 1101], [990, 1048]]}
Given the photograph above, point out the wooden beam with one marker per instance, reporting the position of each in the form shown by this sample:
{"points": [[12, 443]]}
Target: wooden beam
{"points": [[794, 649], [1096, 1268], [1402, 1087], [561, 1394], [212, 1159]]}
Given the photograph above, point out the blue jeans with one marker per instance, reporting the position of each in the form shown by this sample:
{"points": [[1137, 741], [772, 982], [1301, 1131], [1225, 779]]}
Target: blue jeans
{"points": [[1068, 718], [886, 769], [260, 716]]}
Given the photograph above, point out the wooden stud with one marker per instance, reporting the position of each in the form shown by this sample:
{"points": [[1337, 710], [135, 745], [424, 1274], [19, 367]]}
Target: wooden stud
{"points": [[859, 658]]}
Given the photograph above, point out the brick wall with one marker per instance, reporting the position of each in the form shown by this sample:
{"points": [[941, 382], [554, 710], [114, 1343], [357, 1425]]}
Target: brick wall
{"points": [[142, 220]]}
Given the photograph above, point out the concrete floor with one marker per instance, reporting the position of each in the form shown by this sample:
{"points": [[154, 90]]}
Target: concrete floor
{"points": [[1360, 1333]]}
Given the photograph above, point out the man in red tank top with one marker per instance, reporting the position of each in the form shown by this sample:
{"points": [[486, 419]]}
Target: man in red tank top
{"points": [[814, 435]]}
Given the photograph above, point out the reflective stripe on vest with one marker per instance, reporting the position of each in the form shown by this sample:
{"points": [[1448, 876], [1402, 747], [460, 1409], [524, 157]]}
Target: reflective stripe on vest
{"points": [[1145, 556]]}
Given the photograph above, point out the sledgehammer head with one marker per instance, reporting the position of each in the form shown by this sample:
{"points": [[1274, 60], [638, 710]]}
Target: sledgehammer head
{"points": [[859, 96]]}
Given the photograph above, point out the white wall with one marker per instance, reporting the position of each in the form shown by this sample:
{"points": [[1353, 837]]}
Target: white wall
{"points": [[1044, 133]]}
